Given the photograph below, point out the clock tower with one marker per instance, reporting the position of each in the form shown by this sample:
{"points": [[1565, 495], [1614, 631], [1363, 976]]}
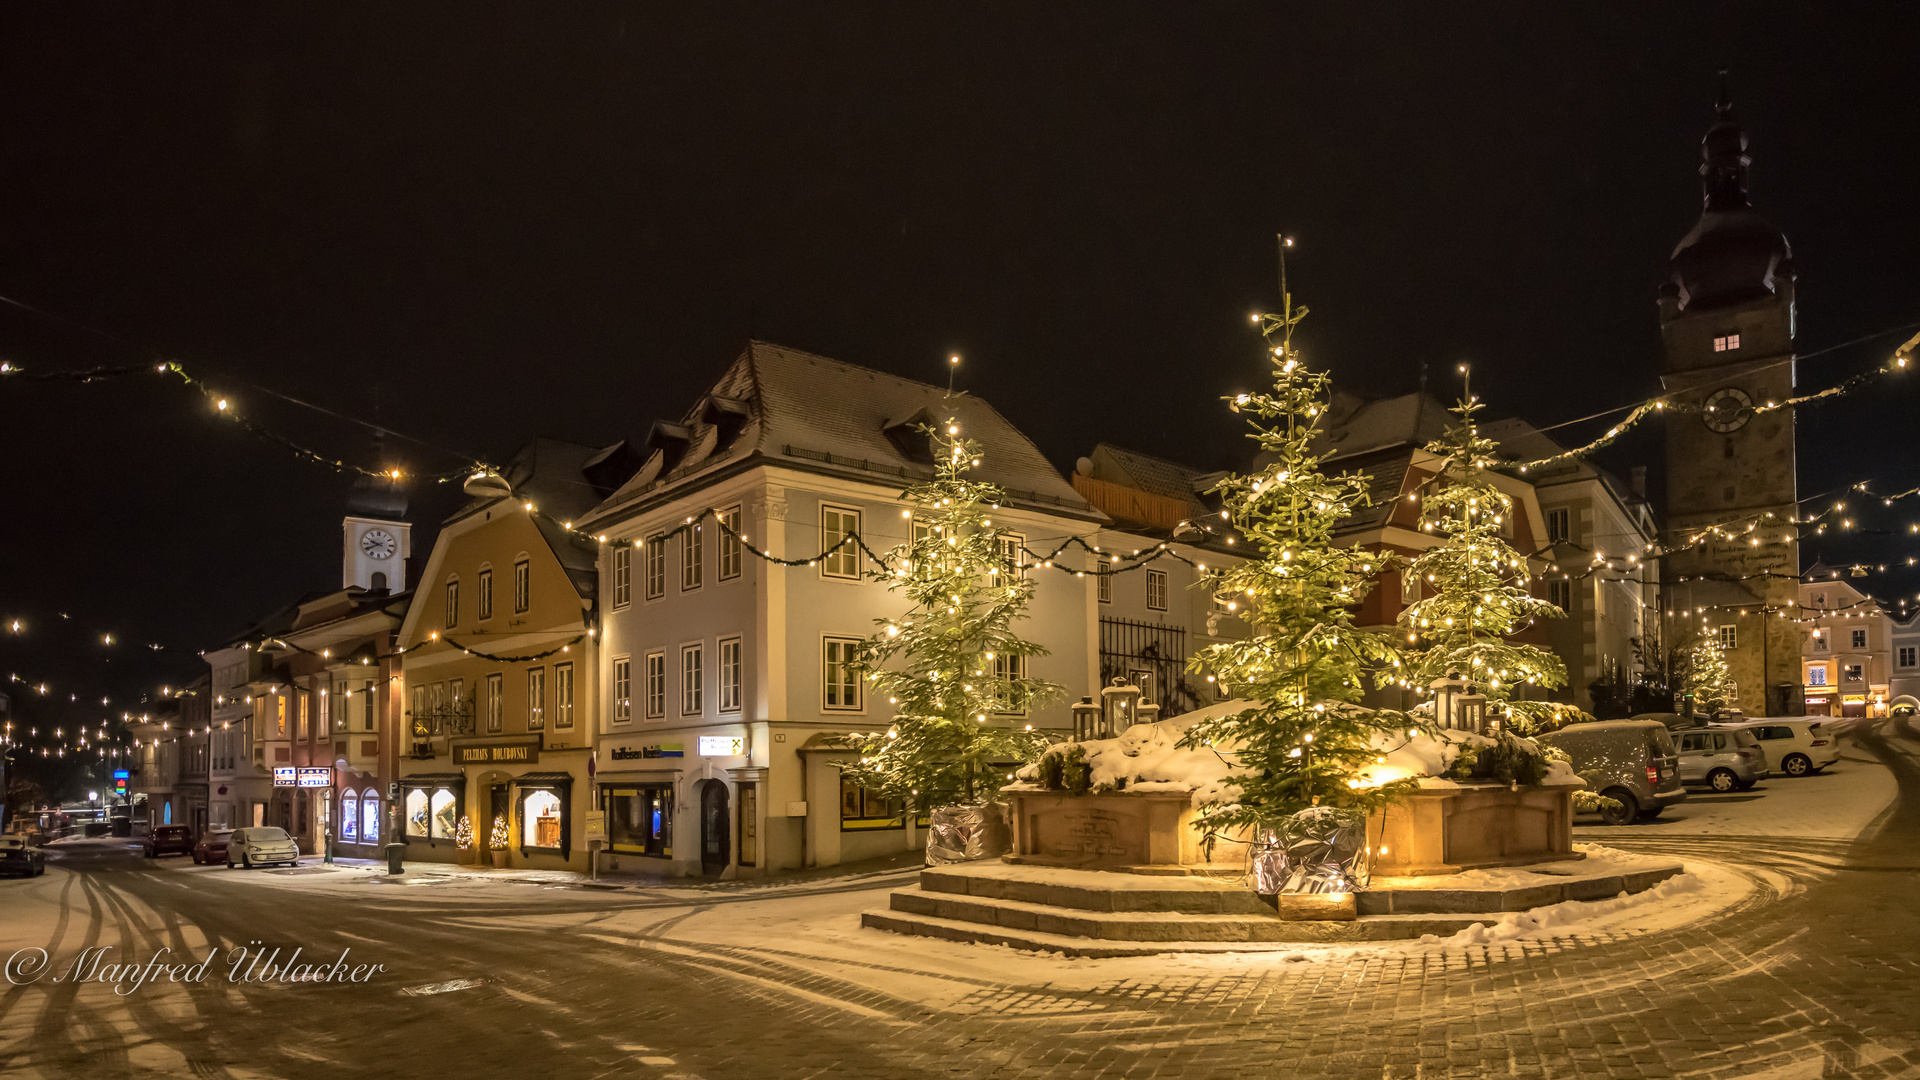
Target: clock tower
{"points": [[1727, 325], [378, 543]]}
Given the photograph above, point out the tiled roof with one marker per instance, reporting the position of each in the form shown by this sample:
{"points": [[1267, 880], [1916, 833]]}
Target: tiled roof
{"points": [[1157, 475], [1411, 420], [820, 413]]}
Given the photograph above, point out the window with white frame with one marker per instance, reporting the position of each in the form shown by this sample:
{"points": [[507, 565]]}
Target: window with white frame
{"points": [[1726, 343], [1011, 556], [1409, 587], [1729, 636], [1855, 673], [563, 695], [494, 702], [656, 568], [1816, 674], [1906, 656], [1819, 641], [622, 577], [366, 707], [456, 699], [837, 523], [1156, 590], [536, 698], [656, 685], [483, 593], [453, 603], [690, 568], [692, 668], [522, 585], [730, 674], [840, 682], [729, 543], [1105, 566], [1559, 526], [1859, 639], [622, 689]]}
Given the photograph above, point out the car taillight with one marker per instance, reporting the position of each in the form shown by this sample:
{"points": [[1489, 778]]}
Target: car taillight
{"points": [[1653, 775], [1818, 742]]}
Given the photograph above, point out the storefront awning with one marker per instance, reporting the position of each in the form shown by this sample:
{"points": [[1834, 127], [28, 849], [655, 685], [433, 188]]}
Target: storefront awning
{"points": [[544, 779]]}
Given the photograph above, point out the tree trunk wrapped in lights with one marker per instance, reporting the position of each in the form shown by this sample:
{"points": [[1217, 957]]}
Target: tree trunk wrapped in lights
{"points": [[1709, 680], [1479, 588], [952, 667], [1305, 741]]}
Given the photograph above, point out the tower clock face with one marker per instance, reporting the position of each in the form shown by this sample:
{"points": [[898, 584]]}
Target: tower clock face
{"points": [[377, 543], [1727, 410]]}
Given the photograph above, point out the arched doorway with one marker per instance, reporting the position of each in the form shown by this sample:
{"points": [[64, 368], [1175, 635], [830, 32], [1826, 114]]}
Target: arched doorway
{"points": [[715, 841], [1905, 706]]}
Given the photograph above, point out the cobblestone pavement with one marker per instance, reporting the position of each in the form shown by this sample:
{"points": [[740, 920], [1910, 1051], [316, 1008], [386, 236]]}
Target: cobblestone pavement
{"points": [[1816, 973]]}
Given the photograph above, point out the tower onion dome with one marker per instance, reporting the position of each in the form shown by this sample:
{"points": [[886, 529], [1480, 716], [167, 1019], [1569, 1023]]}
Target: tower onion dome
{"points": [[1733, 255]]}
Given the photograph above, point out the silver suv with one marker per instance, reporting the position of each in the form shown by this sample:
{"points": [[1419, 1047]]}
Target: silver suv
{"points": [[1724, 759], [1632, 760]]}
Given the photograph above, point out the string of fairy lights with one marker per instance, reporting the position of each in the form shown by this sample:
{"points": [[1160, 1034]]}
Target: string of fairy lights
{"points": [[1751, 530]]}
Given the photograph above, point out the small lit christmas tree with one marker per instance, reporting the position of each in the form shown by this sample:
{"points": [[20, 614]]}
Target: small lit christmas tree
{"points": [[1709, 680], [953, 660], [1306, 742], [1481, 595], [463, 834], [498, 839]]}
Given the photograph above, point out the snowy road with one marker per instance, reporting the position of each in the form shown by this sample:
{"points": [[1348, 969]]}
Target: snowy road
{"points": [[1802, 959]]}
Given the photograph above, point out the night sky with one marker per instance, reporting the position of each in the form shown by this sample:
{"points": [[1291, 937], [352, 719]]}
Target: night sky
{"points": [[475, 223]]}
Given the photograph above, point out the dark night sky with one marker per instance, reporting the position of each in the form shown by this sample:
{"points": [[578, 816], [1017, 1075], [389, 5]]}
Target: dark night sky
{"points": [[478, 223]]}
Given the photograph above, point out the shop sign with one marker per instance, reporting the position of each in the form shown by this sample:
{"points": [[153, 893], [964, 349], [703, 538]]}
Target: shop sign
{"points": [[522, 752], [314, 778], [723, 745], [285, 776], [641, 753]]}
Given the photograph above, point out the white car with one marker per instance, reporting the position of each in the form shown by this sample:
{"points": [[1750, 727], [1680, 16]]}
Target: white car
{"points": [[1795, 746], [261, 845]]}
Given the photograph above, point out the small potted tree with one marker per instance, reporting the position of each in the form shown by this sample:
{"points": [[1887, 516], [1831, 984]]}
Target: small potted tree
{"points": [[497, 842]]}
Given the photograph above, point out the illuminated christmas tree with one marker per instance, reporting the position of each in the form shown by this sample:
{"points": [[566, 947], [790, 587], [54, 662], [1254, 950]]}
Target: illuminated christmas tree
{"points": [[463, 834], [498, 839], [951, 668], [1480, 587], [1709, 680], [1306, 741]]}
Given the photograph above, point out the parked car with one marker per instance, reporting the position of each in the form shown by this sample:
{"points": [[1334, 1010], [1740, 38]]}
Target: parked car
{"points": [[261, 845], [1635, 760], [18, 857], [1794, 746], [212, 847], [169, 840], [1723, 758]]}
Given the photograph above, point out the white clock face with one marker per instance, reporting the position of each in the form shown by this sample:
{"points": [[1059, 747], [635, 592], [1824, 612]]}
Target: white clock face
{"points": [[378, 543], [1727, 410]]}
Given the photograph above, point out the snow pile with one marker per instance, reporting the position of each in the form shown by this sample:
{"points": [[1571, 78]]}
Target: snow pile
{"points": [[1560, 916], [1148, 758]]}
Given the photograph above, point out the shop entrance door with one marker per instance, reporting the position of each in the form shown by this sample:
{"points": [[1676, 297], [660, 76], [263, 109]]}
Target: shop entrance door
{"points": [[714, 841]]}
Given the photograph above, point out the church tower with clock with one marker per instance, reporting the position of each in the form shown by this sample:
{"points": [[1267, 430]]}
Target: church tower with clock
{"points": [[378, 541], [1727, 324]]}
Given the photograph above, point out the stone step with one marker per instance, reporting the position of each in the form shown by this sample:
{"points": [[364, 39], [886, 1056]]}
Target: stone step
{"points": [[1168, 926], [1379, 928], [1387, 899], [1095, 891]]}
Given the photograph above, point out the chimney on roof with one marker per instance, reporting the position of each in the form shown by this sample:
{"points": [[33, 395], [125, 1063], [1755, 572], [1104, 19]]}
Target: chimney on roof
{"points": [[1639, 481]]}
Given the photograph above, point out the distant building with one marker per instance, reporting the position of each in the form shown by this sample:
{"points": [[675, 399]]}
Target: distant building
{"points": [[1847, 652]]}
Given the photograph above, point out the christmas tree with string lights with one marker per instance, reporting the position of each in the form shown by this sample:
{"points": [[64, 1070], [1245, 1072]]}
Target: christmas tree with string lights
{"points": [[1709, 680], [1480, 594], [1305, 742], [952, 669]]}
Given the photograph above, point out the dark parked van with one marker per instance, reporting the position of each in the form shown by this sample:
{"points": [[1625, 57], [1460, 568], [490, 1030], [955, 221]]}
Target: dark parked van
{"points": [[1637, 764]]}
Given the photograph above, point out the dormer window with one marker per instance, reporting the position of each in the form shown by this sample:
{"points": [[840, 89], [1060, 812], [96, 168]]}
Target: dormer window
{"points": [[1728, 343]]}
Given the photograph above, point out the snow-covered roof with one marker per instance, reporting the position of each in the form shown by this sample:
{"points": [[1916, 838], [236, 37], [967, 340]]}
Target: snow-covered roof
{"points": [[795, 408]]}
